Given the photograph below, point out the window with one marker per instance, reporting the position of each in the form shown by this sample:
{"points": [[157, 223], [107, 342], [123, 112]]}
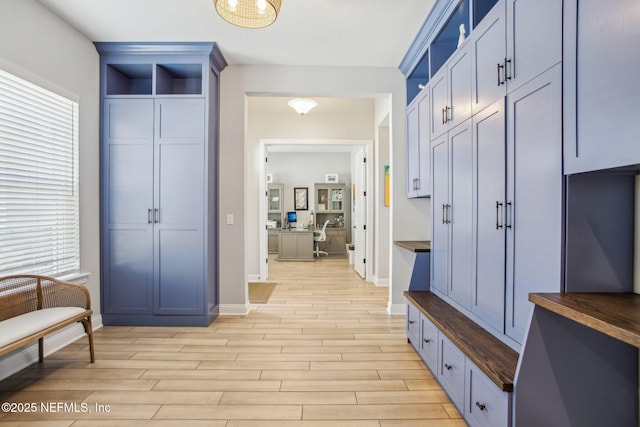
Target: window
{"points": [[39, 202]]}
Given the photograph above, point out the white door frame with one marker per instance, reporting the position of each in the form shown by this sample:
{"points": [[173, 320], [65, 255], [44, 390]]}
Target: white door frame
{"points": [[262, 188]]}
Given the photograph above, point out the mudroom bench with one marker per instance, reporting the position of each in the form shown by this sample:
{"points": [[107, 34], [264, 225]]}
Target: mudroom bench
{"points": [[475, 368], [32, 307]]}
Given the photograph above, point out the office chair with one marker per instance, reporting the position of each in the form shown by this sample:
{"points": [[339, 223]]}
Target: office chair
{"points": [[320, 236]]}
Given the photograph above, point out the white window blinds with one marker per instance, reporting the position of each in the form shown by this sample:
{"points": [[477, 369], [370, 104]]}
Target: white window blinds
{"points": [[39, 202]]}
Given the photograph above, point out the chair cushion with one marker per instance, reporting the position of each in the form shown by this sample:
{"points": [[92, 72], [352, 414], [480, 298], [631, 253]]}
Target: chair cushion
{"points": [[22, 326]]}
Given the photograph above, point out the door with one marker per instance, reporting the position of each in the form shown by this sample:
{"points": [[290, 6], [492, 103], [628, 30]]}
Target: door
{"points": [[440, 225], [460, 214], [535, 190], [127, 234], [179, 194], [490, 145], [359, 210], [489, 45]]}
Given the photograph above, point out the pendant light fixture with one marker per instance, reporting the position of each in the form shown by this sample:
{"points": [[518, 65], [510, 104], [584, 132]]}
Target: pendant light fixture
{"points": [[302, 105], [248, 13]]}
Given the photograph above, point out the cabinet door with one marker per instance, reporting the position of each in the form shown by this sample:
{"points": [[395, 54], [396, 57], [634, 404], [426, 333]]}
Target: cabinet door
{"points": [[489, 46], [439, 103], [440, 203], [461, 214], [127, 233], [459, 70], [535, 189], [179, 187], [424, 144], [534, 39], [601, 88], [490, 145], [413, 149]]}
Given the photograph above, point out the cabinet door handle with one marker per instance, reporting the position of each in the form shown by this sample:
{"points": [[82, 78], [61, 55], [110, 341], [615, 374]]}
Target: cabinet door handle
{"points": [[449, 367], [500, 66], [417, 183], [448, 213], [507, 68], [426, 340], [509, 212], [444, 112], [498, 210], [411, 322], [156, 215], [444, 220], [447, 117], [149, 221], [482, 406]]}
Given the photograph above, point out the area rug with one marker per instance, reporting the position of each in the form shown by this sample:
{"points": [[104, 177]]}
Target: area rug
{"points": [[260, 292]]}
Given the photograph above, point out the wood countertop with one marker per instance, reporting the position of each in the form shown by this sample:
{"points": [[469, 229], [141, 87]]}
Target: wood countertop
{"points": [[414, 245], [613, 314]]}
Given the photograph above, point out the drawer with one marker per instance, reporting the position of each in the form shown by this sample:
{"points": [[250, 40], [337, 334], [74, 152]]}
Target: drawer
{"points": [[451, 371], [429, 343], [485, 404], [413, 326]]}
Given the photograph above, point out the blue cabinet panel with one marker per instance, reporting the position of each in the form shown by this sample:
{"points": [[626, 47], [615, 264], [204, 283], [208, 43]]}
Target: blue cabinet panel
{"points": [[490, 146], [129, 269], [534, 222], [461, 214], [440, 204]]}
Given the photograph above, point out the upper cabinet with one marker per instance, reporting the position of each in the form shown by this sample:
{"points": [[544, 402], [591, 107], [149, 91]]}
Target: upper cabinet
{"points": [[534, 26], [601, 90], [418, 151]]}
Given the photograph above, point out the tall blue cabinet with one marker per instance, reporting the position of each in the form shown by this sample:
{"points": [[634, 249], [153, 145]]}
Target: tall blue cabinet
{"points": [[159, 182]]}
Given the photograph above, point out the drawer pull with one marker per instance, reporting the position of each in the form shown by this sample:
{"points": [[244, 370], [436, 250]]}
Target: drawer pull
{"points": [[411, 322], [427, 340], [482, 406], [449, 367]]}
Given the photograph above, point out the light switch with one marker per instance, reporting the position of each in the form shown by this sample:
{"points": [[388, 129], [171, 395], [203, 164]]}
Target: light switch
{"points": [[229, 219]]}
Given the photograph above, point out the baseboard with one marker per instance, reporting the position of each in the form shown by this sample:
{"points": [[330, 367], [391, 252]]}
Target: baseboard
{"points": [[234, 309], [378, 281], [253, 278], [397, 309], [27, 355]]}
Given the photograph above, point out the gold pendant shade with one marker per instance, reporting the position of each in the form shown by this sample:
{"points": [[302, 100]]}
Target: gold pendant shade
{"points": [[249, 13]]}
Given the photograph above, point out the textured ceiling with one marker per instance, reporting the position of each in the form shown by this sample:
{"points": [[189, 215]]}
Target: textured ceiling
{"points": [[369, 33]]}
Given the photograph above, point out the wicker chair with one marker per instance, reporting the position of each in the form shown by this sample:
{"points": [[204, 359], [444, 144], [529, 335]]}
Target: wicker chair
{"points": [[32, 307]]}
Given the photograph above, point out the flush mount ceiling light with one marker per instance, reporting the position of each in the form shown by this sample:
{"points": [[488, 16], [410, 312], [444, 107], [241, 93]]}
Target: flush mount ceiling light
{"points": [[302, 105], [248, 13]]}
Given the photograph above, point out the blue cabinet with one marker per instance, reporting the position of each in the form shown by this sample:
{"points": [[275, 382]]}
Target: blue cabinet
{"points": [[601, 90], [418, 147], [159, 183]]}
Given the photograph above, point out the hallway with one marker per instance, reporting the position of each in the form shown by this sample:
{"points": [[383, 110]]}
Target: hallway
{"points": [[321, 352]]}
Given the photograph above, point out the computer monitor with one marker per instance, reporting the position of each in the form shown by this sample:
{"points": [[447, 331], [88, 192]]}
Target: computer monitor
{"points": [[292, 217]]}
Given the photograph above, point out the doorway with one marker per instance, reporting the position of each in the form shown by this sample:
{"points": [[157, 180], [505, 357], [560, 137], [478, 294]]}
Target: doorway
{"points": [[326, 170]]}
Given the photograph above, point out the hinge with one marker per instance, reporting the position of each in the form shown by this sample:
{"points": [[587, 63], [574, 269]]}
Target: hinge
{"points": [[364, 261], [266, 260], [266, 227], [364, 160], [365, 194], [266, 193], [364, 227], [266, 160]]}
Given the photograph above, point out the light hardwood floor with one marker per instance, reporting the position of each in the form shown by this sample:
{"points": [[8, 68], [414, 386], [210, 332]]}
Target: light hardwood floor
{"points": [[321, 352]]}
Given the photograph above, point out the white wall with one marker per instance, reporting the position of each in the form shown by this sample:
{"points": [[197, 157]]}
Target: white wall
{"points": [[382, 213], [36, 45], [238, 173]]}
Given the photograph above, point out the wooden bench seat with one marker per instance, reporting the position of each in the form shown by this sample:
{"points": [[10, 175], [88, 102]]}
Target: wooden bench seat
{"points": [[497, 360], [32, 307]]}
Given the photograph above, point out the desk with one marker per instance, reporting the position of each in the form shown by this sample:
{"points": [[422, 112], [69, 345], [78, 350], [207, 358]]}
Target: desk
{"points": [[295, 245]]}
